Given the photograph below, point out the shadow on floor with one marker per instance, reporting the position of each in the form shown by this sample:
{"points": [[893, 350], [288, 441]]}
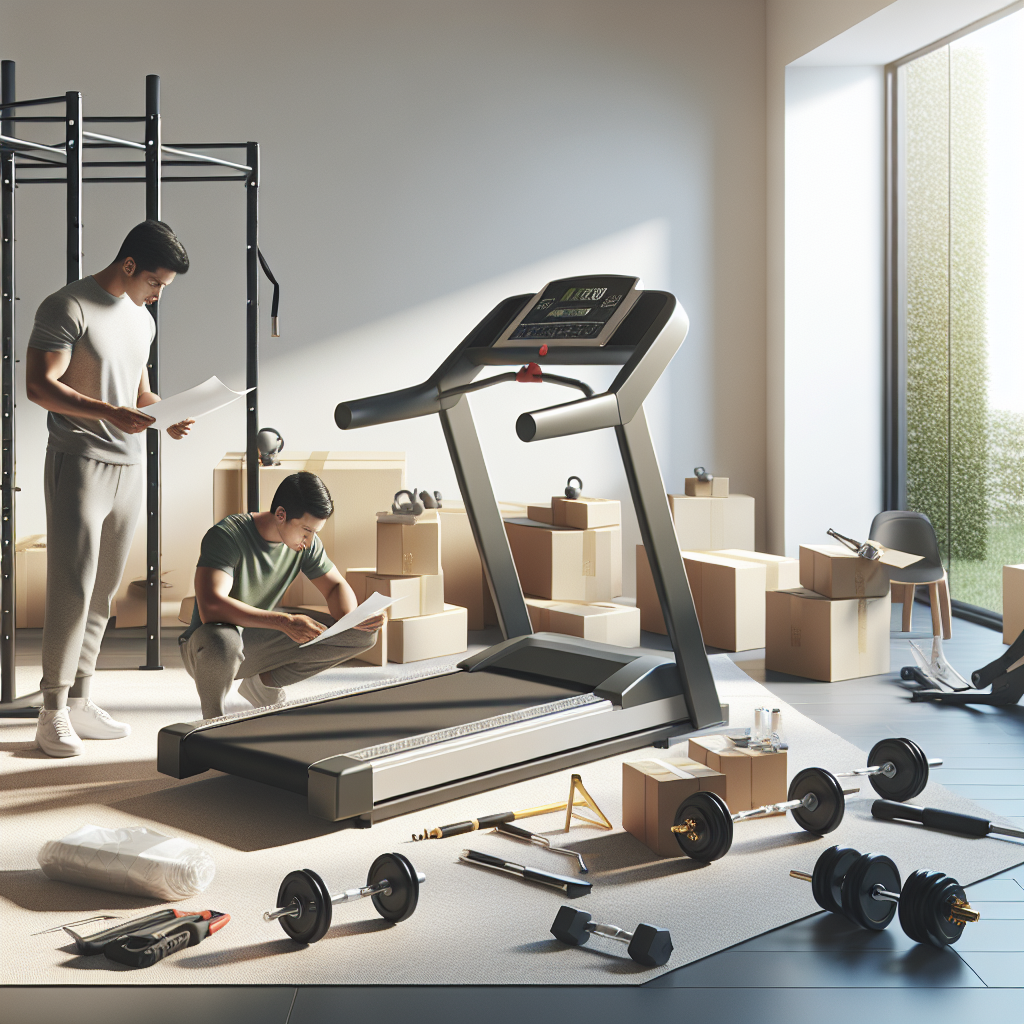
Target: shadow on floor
{"points": [[32, 890]]}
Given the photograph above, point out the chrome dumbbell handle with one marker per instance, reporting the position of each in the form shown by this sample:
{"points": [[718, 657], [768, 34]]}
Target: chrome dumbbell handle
{"points": [[610, 931], [381, 888], [888, 769], [809, 802]]}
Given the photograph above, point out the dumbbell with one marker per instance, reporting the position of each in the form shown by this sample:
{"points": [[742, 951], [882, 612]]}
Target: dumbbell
{"points": [[648, 945], [304, 904], [703, 822], [897, 769], [865, 887]]}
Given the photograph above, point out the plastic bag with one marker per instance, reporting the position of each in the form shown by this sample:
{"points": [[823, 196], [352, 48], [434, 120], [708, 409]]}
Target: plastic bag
{"points": [[138, 861]]}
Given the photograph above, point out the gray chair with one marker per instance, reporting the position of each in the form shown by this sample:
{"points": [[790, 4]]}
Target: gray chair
{"points": [[913, 532]]}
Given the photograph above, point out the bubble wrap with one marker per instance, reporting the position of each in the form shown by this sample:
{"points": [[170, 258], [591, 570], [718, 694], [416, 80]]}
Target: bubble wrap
{"points": [[137, 861]]}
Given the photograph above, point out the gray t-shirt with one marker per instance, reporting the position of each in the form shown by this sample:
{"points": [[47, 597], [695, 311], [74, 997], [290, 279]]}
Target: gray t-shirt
{"points": [[109, 340], [262, 571]]}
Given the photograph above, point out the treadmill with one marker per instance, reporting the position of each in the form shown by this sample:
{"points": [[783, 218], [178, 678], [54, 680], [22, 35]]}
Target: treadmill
{"points": [[536, 702]]}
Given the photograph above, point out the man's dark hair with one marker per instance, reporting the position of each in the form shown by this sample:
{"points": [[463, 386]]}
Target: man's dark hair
{"points": [[301, 493], [152, 244]]}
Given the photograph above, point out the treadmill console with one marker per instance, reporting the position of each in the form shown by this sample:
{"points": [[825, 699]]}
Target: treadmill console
{"points": [[574, 311]]}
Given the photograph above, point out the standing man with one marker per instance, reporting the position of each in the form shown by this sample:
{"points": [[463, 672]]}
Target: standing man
{"points": [[87, 366]]}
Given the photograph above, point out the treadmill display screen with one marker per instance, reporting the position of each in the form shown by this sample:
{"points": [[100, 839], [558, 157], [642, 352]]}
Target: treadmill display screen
{"points": [[573, 308]]}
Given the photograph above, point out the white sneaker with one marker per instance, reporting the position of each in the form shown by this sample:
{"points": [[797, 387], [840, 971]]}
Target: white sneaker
{"points": [[259, 695], [55, 735], [93, 723]]}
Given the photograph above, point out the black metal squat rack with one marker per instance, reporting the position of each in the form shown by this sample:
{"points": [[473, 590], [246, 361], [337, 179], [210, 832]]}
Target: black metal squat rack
{"points": [[18, 156]]}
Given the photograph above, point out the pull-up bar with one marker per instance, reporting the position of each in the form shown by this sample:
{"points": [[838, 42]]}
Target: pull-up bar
{"points": [[168, 149]]}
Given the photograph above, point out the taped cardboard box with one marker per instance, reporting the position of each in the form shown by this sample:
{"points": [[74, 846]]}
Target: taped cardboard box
{"points": [[410, 549], [585, 513], [540, 514], [828, 640], [710, 524], [30, 577], [428, 636], [603, 623], [838, 573], [360, 484], [652, 793], [781, 573], [1013, 602], [753, 778], [415, 595], [562, 564], [716, 488], [728, 596]]}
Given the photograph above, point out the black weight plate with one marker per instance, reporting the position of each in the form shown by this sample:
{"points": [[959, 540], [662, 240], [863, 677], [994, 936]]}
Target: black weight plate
{"points": [[710, 837], [314, 900], [400, 903], [911, 769], [869, 870], [937, 897], [827, 878], [831, 807], [911, 906]]}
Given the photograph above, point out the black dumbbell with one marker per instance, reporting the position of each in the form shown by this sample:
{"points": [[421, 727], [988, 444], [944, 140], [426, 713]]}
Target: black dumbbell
{"points": [[648, 945], [897, 769], [865, 887], [304, 904], [703, 822]]}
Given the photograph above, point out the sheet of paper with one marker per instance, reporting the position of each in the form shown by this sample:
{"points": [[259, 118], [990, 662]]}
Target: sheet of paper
{"points": [[204, 398], [373, 605]]}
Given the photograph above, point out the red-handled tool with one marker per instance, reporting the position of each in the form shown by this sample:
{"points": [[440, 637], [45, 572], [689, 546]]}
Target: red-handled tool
{"points": [[146, 940]]}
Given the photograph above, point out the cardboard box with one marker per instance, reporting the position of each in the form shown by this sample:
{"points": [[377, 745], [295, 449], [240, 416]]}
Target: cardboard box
{"points": [[837, 572], [563, 564], [1013, 602], [710, 524], [781, 573], [651, 795], [540, 514], [812, 636], [378, 653], [356, 579], [585, 513], [728, 595], [412, 549], [130, 610], [360, 483], [185, 609], [30, 582], [717, 488], [427, 636], [603, 623], [416, 595], [753, 778]]}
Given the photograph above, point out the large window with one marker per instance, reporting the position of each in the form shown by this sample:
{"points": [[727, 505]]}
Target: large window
{"points": [[957, 294]]}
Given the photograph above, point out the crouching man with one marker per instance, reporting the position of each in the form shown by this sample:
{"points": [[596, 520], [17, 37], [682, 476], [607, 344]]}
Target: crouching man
{"points": [[246, 563]]}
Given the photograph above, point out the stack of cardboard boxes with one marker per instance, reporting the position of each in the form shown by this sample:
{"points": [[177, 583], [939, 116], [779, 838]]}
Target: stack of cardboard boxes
{"points": [[568, 555], [420, 624]]}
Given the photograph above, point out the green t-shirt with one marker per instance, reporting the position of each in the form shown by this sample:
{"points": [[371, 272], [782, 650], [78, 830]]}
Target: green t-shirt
{"points": [[262, 571]]}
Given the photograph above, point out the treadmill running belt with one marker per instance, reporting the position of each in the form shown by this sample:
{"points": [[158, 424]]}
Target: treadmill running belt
{"points": [[277, 749]]}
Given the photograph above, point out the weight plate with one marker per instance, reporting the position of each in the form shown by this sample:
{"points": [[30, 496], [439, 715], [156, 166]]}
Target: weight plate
{"points": [[826, 816], [868, 871], [314, 900], [910, 906], [911, 769], [827, 879], [710, 835], [938, 894], [400, 903]]}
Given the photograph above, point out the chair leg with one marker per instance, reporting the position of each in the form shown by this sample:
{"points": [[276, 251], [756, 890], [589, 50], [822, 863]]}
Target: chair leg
{"points": [[945, 608], [908, 590], [933, 596]]}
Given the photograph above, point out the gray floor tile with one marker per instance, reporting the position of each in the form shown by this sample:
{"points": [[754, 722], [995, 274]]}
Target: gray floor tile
{"points": [[831, 932], [983, 793], [999, 911], [990, 774], [992, 935], [998, 970], [1002, 889]]}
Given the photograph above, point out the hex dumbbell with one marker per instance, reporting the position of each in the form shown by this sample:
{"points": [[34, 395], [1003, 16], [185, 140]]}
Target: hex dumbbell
{"points": [[865, 887], [648, 945], [304, 904]]}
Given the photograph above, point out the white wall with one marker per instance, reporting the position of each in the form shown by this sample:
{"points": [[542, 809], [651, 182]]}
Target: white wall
{"points": [[421, 160], [834, 301]]}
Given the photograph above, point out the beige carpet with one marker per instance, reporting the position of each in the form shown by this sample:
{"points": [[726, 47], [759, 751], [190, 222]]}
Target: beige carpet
{"points": [[472, 925]]}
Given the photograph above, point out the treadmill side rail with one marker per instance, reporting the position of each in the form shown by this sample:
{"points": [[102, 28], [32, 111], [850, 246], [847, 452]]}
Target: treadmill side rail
{"points": [[340, 787], [641, 682], [170, 751]]}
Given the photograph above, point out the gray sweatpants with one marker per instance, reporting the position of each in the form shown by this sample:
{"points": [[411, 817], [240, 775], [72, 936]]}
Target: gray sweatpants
{"points": [[91, 512], [217, 653]]}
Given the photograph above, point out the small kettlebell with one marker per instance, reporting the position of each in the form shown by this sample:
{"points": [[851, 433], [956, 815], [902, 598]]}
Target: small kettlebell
{"points": [[702, 474], [268, 443], [573, 492], [412, 507]]}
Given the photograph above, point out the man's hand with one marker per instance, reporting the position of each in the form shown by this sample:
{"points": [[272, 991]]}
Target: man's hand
{"points": [[179, 430], [371, 624], [127, 419], [301, 628]]}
